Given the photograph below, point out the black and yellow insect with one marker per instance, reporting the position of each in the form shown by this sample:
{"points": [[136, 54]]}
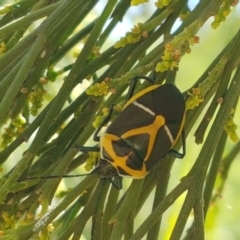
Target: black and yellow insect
{"points": [[143, 133]]}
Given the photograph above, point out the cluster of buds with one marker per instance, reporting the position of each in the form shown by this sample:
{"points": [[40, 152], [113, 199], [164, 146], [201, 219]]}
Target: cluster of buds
{"points": [[131, 37], [99, 119], [15, 128], [91, 161], [36, 98], [52, 74], [172, 55], [194, 98], [231, 127], [99, 89], [3, 48], [162, 3], [9, 221], [138, 2], [223, 12], [46, 232]]}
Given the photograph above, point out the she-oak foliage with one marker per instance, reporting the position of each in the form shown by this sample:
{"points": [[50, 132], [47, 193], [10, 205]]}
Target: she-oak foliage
{"points": [[42, 121]]}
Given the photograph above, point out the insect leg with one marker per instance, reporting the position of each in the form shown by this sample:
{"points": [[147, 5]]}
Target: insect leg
{"points": [[88, 149], [117, 182], [133, 83], [177, 154], [95, 136]]}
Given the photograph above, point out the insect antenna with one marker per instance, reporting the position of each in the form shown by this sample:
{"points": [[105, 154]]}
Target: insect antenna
{"points": [[55, 176]]}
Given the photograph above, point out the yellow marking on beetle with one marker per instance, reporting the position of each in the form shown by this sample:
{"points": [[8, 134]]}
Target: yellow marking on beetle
{"points": [[137, 174], [180, 129], [120, 161], [151, 129], [141, 93]]}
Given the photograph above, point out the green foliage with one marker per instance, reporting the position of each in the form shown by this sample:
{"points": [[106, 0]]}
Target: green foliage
{"points": [[38, 101]]}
